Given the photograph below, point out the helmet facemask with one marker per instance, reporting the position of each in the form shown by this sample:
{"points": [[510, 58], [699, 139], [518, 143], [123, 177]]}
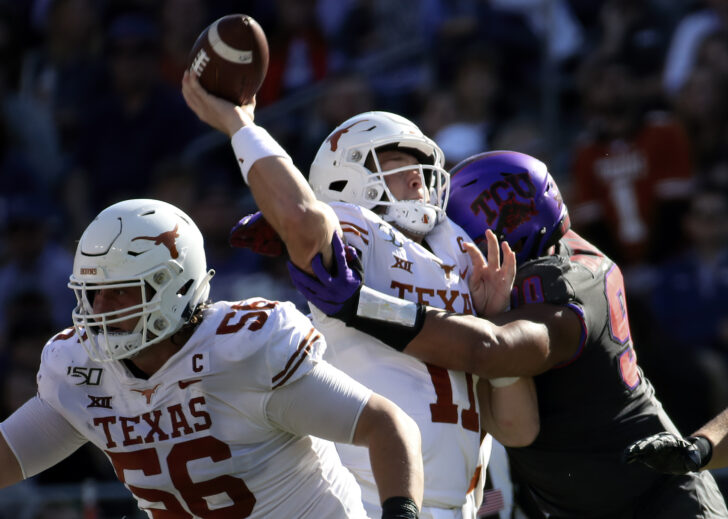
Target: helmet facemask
{"points": [[418, 216]]}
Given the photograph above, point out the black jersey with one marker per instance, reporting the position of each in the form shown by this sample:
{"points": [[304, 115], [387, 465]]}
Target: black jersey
{"points": [[596, 403]]}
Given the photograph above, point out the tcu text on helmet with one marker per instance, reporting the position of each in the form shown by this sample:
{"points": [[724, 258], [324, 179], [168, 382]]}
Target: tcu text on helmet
{"points": [[501, 192]]}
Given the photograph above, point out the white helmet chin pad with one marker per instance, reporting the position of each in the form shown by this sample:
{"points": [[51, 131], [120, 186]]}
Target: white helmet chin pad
{"points": [[340, 171], [415, 216], [144, 245]]}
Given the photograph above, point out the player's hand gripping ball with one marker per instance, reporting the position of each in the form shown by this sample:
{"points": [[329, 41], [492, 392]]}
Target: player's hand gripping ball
{"points": [[230, 58]]}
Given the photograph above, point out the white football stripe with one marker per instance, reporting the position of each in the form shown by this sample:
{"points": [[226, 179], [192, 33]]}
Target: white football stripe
{"points": [[224, 50]]}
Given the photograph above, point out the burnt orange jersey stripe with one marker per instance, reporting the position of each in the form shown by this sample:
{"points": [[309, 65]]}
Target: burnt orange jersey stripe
{"points": [[306, 351], [311, 337], [354, 231], [475, 479], [354, 226]]}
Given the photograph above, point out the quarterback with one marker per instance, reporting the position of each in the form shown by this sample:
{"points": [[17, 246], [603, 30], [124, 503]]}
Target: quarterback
{"points": [[378, 182]]}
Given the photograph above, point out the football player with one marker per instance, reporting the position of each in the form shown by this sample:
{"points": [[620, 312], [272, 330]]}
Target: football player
{"points": [[204, 409], [380, 183], [568, 326]]}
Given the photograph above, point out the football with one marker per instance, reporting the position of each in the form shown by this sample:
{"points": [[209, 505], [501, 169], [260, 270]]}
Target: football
{"points": [[230, 58]]}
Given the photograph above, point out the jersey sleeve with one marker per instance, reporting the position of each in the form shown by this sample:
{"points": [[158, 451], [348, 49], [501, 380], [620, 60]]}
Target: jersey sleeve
{"points": [[326, 403], [61, 351], [543, 281], [39, 436], [293, 346], [558, 281], [357, 228]]}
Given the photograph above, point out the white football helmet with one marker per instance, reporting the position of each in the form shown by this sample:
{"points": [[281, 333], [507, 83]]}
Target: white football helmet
{"points": [[339, 174], [138, 243]]}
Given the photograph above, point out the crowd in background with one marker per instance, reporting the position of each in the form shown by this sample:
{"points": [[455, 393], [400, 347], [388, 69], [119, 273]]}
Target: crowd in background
{"points": [[625, 100]]}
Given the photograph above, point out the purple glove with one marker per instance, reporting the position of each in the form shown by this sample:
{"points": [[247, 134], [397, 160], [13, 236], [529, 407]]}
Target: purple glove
{"points": [[255, 233], [336, 294]]}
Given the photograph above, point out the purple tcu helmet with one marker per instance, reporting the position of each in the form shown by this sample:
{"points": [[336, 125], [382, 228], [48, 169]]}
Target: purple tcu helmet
{"points": [[512, 194]]}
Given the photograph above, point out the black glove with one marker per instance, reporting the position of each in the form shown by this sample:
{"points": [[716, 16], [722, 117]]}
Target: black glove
{"points": [[668, 453]]}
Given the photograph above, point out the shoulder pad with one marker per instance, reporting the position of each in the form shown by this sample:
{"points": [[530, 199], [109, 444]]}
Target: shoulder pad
{"points": [[543, 280], [278, 344]]}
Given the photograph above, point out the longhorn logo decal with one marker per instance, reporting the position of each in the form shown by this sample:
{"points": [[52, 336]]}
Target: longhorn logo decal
{"points": [[334, 138], [168, 239]]}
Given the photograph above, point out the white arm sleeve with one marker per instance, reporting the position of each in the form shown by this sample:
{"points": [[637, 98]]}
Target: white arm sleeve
{"points": [[39, 436], [326, 403]]}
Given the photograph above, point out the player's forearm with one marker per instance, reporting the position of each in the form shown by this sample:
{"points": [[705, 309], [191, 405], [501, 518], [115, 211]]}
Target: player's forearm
{"points": [[288, 203], [474, 345], [716, 431], [510, 413], [395, 449]]}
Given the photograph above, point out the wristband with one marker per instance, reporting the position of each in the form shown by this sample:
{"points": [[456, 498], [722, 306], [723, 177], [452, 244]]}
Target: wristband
{"points": [[252, 143], [705, 448], [383, 307], [399, 508], [503, 381], [393, 321]]}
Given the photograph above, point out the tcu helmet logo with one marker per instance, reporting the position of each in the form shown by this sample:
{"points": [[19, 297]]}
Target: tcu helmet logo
{"points": [[500, 199], [168, 239]]}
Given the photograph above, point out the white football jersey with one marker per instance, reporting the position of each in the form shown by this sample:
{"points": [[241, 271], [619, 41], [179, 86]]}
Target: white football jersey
{"points": [[442, 402], [195, 438]]}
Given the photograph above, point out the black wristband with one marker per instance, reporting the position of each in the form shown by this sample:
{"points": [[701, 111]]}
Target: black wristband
{"points": [[399, 508], [347, 313], [705, 448], [394, 335]]}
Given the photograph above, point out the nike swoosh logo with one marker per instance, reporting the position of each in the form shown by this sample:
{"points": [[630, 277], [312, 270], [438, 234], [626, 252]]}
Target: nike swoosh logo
{"points": [[184, 383], [463, 273]]}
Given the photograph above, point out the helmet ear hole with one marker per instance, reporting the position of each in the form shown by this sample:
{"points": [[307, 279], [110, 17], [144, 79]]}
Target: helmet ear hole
{"points": [[183, 290], [338, 186]]}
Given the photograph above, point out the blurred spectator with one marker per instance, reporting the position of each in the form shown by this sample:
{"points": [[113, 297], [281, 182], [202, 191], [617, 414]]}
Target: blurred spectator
{"points": [[34, 262], [182, 21], [174, 180], [29, 327], [686, 39], [459, 141], [344, 95], [463, 24], [215, 210], [388, 42], [627, 166], [477, 92], [25, 125], [438, 111], [713, 53], [637, 32], [553, 22], [64, 74], [298, 50], [702, 107], [140, 122], [691, 317], [523, 133]]}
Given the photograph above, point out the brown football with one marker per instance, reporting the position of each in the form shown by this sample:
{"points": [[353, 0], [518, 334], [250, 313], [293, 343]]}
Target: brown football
{"points": [[230, 57]]}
